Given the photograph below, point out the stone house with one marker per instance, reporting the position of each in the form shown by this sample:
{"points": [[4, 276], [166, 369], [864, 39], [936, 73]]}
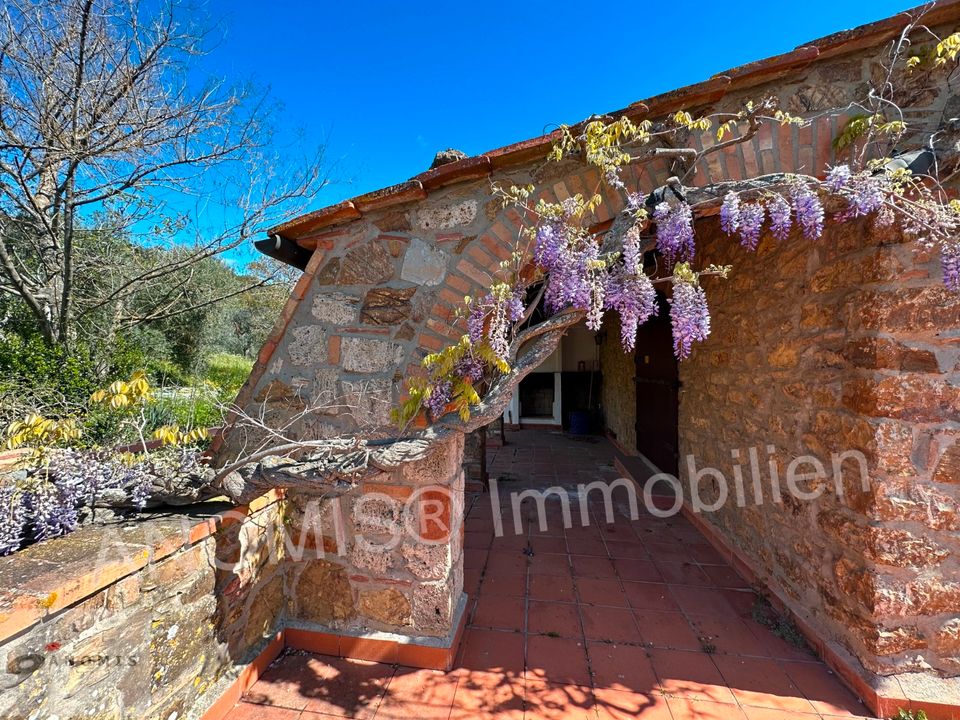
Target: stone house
{"points": [[818, 349]]}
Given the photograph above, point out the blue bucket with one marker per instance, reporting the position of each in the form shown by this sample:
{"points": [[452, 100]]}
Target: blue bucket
{"points": [[579, 422]]}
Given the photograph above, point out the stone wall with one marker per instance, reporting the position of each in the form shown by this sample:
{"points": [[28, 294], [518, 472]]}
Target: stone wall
{"points": [[847, 344], [145, 620], [386, 557], [619, 388]]}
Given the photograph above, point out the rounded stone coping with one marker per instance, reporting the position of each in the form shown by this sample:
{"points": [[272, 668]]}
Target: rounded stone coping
{"points": [[43, 579]]}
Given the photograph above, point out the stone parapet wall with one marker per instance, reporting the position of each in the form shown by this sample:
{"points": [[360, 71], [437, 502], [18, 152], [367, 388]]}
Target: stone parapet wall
{"points": [[157, 618], [386, 557], [845, 345], [143, 620]]}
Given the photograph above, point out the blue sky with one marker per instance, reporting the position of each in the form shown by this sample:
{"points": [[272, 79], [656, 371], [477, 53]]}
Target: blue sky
{"points": [[389, 84]]}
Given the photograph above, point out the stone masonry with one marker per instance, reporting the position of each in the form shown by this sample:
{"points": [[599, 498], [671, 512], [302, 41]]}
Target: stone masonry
{"points": [[848, 343]]}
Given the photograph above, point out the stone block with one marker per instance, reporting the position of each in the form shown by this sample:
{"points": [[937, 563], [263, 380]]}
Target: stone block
{"points": [[388, 606], [423, 264], [386, 306], [335, 308], [323, 593], [369, 355], [447, 215]]}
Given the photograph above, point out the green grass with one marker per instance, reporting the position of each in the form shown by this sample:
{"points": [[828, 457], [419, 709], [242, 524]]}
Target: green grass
{"points": [[228, 372]]}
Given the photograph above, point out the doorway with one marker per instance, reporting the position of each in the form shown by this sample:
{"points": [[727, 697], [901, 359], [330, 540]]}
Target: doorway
{"points": [[658, 386]]}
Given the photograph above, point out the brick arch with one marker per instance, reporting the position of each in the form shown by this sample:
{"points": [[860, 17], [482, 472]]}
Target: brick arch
{"points": [[346, 243]]}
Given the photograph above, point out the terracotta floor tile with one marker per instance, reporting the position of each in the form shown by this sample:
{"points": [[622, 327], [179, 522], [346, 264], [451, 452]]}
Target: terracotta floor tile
{"points": [[823, 689], [510, 584], [682, 573], [298, 680], [754, 713], [625, 705], [487, 696], [547, 618], [701, 601], [741, 601], [776, 646], [725, 576], [548, 544], [669, 630], [497, 611], [559, 660], [412, 693], [471, 582], [609, 624], [506, 562], [492, 650], [587, 566], [587, 546], [252, 711], [509, 542], [476, 539], [552, 587], [668, 551], [622, 667], [348, 688], [637, 570], [686, 709], [601, 591], [579, 532], [550, 564], [627, 549], [728, 635], [706, 554], [474, 559], [761, 683], [649, 596], [552, 701], [689, 675]]}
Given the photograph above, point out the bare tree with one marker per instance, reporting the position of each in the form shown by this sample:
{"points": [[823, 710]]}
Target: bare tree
{"points": [[102, 131]]}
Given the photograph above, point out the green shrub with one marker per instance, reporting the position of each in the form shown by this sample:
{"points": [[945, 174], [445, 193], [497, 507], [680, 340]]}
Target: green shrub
{"points": [[228, 372]]}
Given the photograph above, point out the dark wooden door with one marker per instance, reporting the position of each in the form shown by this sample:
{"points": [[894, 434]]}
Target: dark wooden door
{"points": [[658, 385]]}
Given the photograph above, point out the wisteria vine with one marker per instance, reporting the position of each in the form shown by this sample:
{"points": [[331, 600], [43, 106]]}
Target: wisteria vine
{"points": [[561, 264]]}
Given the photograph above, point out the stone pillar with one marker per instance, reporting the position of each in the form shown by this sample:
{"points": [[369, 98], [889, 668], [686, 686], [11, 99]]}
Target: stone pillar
{"points": [[386, 557]]}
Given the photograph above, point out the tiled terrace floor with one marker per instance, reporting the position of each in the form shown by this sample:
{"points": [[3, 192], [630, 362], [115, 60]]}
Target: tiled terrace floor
{"points": [[618, 620]]}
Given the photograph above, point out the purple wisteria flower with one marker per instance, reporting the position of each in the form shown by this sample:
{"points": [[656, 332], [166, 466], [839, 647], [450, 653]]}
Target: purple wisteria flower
{"points": [[634, 299], [751, 224], [674, 231], [549, 241], [439, 397], [809, 211], [689, 316], [838, 178], [629, 291], [950, 260], [730, 213], [780, 222], [569, 283], [866, 195], [469, 367], [12, 519], [478, 313]]}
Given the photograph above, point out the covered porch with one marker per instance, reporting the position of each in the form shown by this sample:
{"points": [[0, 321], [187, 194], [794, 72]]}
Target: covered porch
{"points": [[631, 618]]}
